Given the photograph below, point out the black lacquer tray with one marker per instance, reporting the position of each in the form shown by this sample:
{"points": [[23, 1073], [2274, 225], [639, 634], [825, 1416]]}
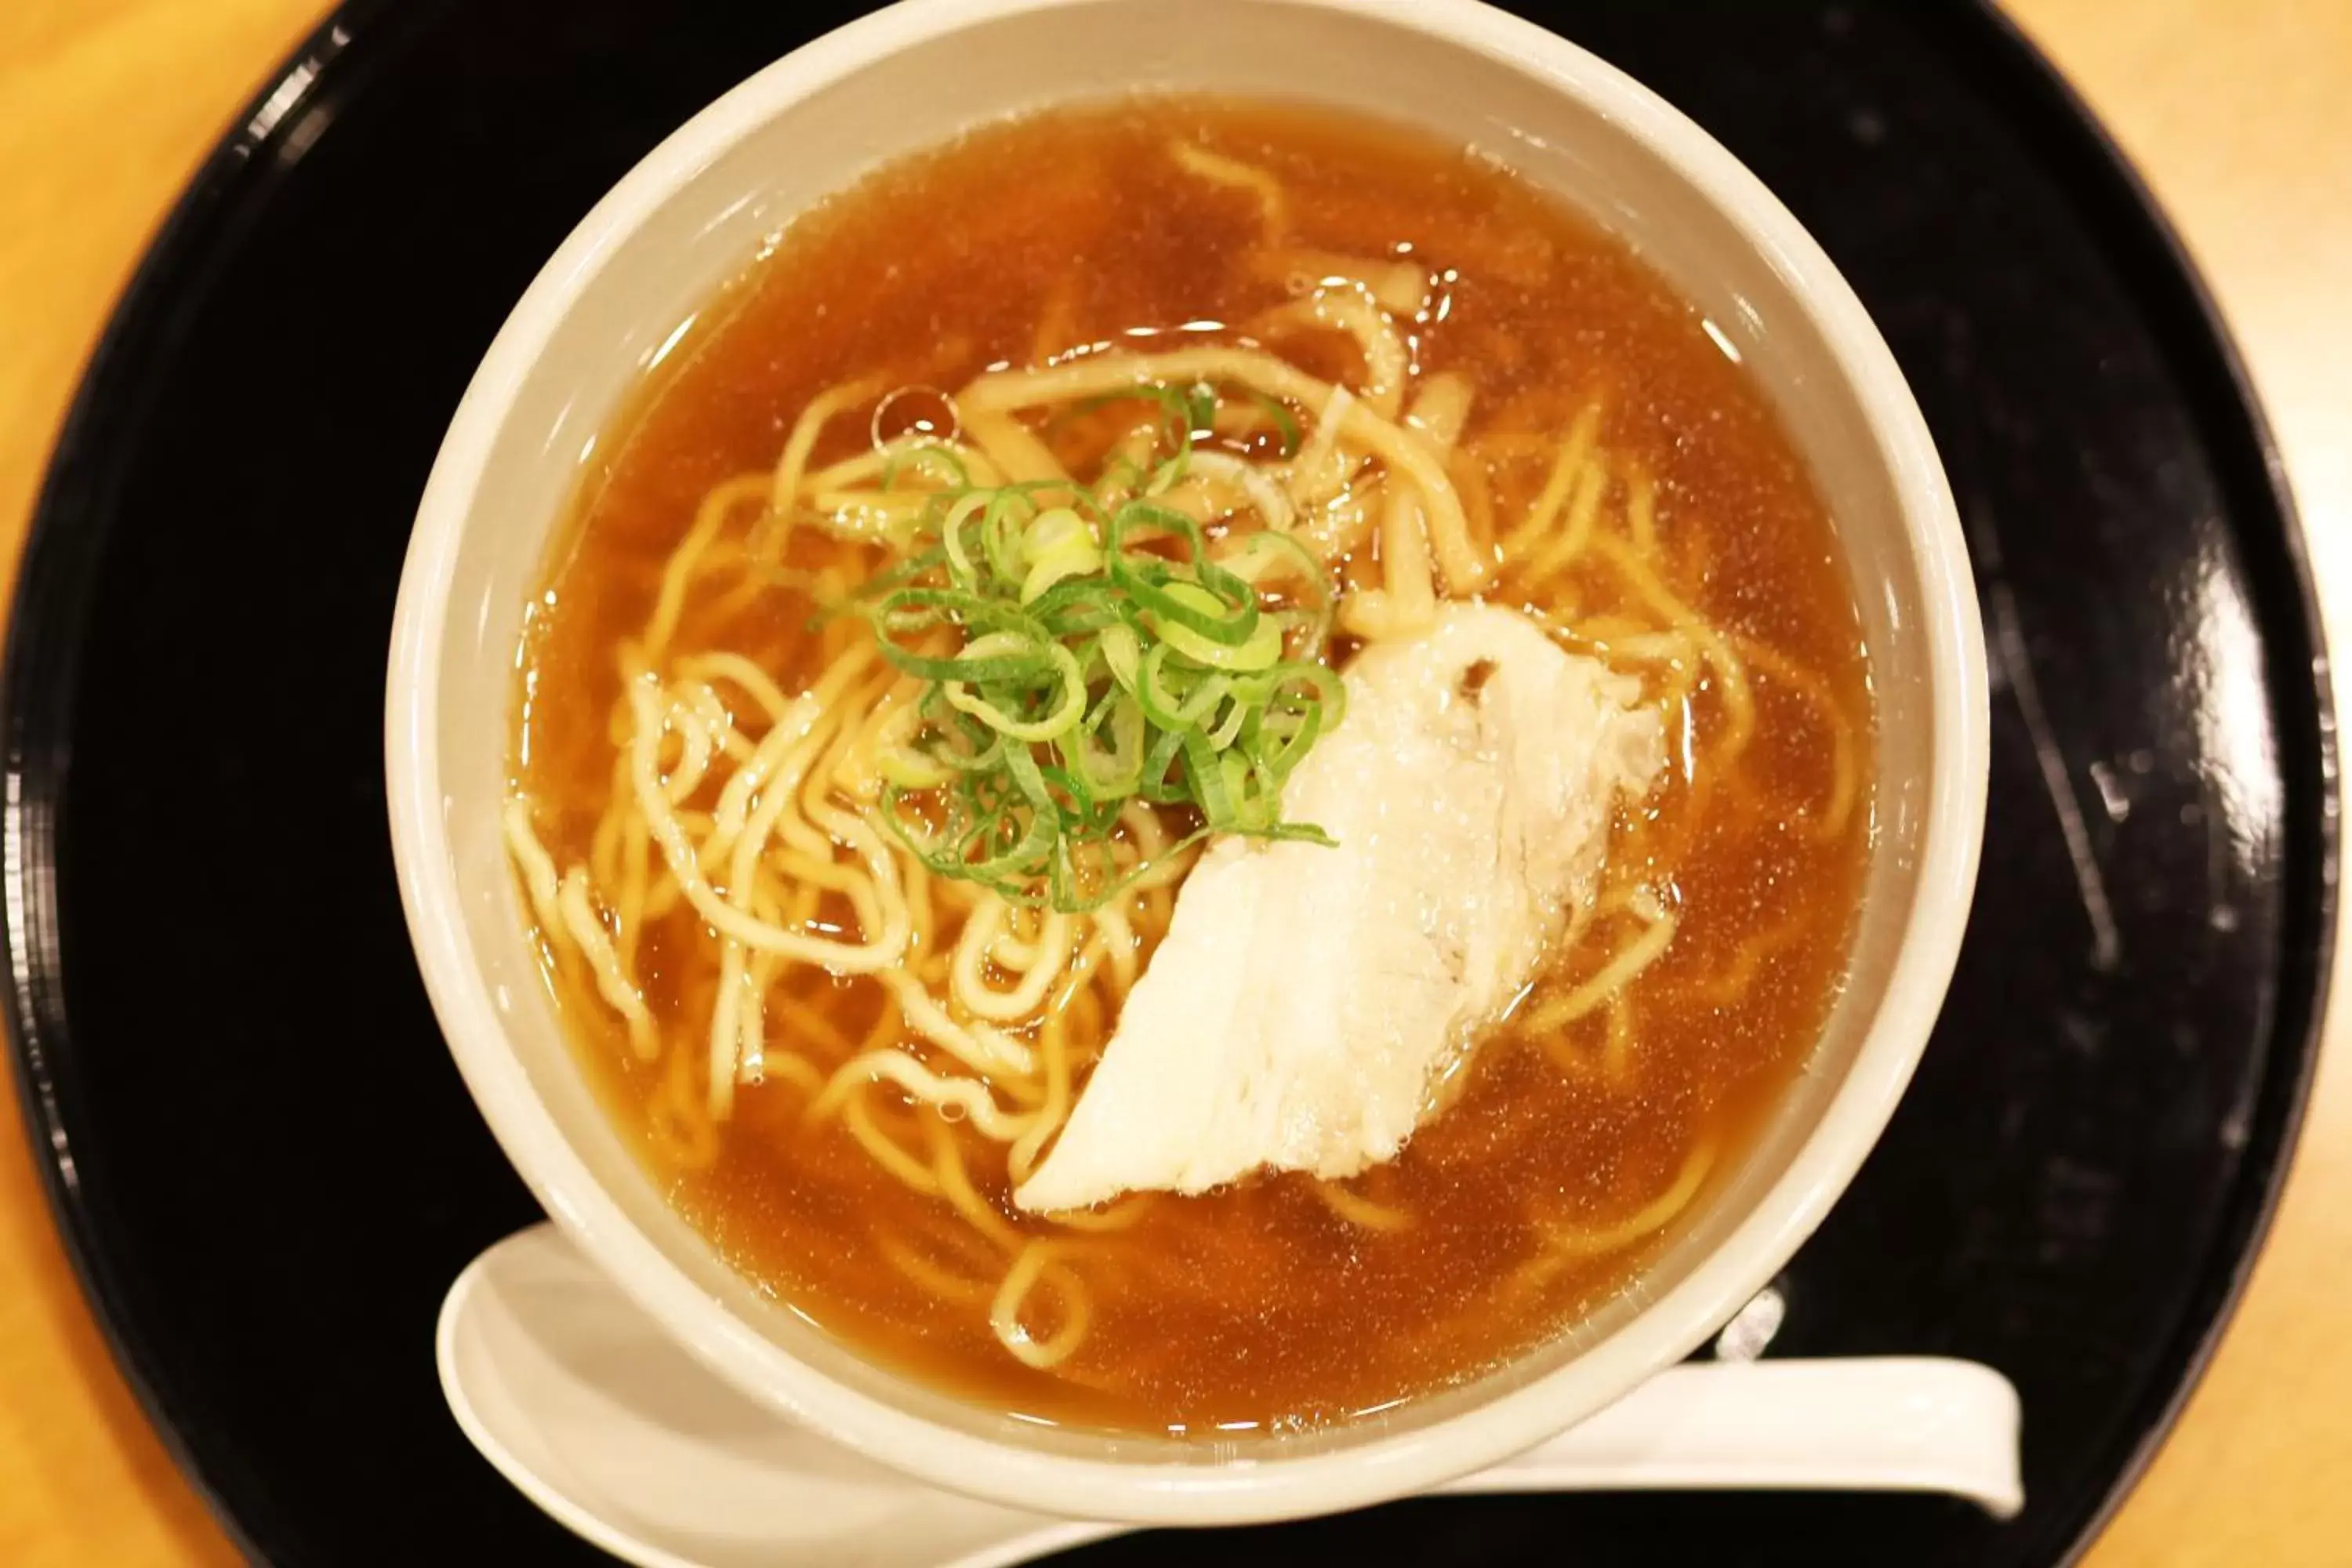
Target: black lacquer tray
{"points": [[266, 1166]]}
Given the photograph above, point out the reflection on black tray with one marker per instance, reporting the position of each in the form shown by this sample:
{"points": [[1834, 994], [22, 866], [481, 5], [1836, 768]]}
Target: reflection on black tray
{"points": [[275, 1171]]}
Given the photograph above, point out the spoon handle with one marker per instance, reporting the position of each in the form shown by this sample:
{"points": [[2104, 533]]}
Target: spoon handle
{"points": [[1884, 1424]]}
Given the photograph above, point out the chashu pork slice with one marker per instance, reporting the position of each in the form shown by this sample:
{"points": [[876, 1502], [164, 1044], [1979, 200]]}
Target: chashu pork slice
{"points": [[1308, 1000]]}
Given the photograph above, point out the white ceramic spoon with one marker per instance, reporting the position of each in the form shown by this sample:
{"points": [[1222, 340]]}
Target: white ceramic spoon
{"points": [[581, 1401]]}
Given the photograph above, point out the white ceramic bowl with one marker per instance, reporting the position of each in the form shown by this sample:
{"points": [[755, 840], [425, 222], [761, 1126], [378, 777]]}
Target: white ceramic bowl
{"points": [[693, 214]]}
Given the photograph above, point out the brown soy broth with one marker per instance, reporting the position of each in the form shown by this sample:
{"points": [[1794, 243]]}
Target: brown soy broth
{"points": [[1258, 1305]]}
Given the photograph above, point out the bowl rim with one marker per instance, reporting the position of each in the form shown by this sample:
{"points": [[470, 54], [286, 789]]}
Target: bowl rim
{"points": [[1382, 1466]]}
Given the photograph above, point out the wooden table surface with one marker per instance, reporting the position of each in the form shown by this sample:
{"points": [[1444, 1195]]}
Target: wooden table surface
{"points": [[2240, 117]]}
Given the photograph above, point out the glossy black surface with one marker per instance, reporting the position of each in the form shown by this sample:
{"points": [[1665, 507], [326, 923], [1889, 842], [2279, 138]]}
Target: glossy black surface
{"points": [[265, 1162]]}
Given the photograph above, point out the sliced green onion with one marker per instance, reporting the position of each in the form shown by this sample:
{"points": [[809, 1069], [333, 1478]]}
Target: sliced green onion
{"points": [[1113, 771], [1147, 578], [1122, 651], [1071, 707], [940, 461], [1283, 420], [1077, 655], [1174, 699], [1257, 651], [1059, 545]]}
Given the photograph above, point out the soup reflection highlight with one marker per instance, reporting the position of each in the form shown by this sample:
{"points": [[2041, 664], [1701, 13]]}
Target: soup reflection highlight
{"points": [[930, 691]]}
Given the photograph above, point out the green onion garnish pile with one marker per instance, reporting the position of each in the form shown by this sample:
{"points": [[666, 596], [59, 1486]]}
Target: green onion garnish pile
{"points": [[1079, 655]]}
